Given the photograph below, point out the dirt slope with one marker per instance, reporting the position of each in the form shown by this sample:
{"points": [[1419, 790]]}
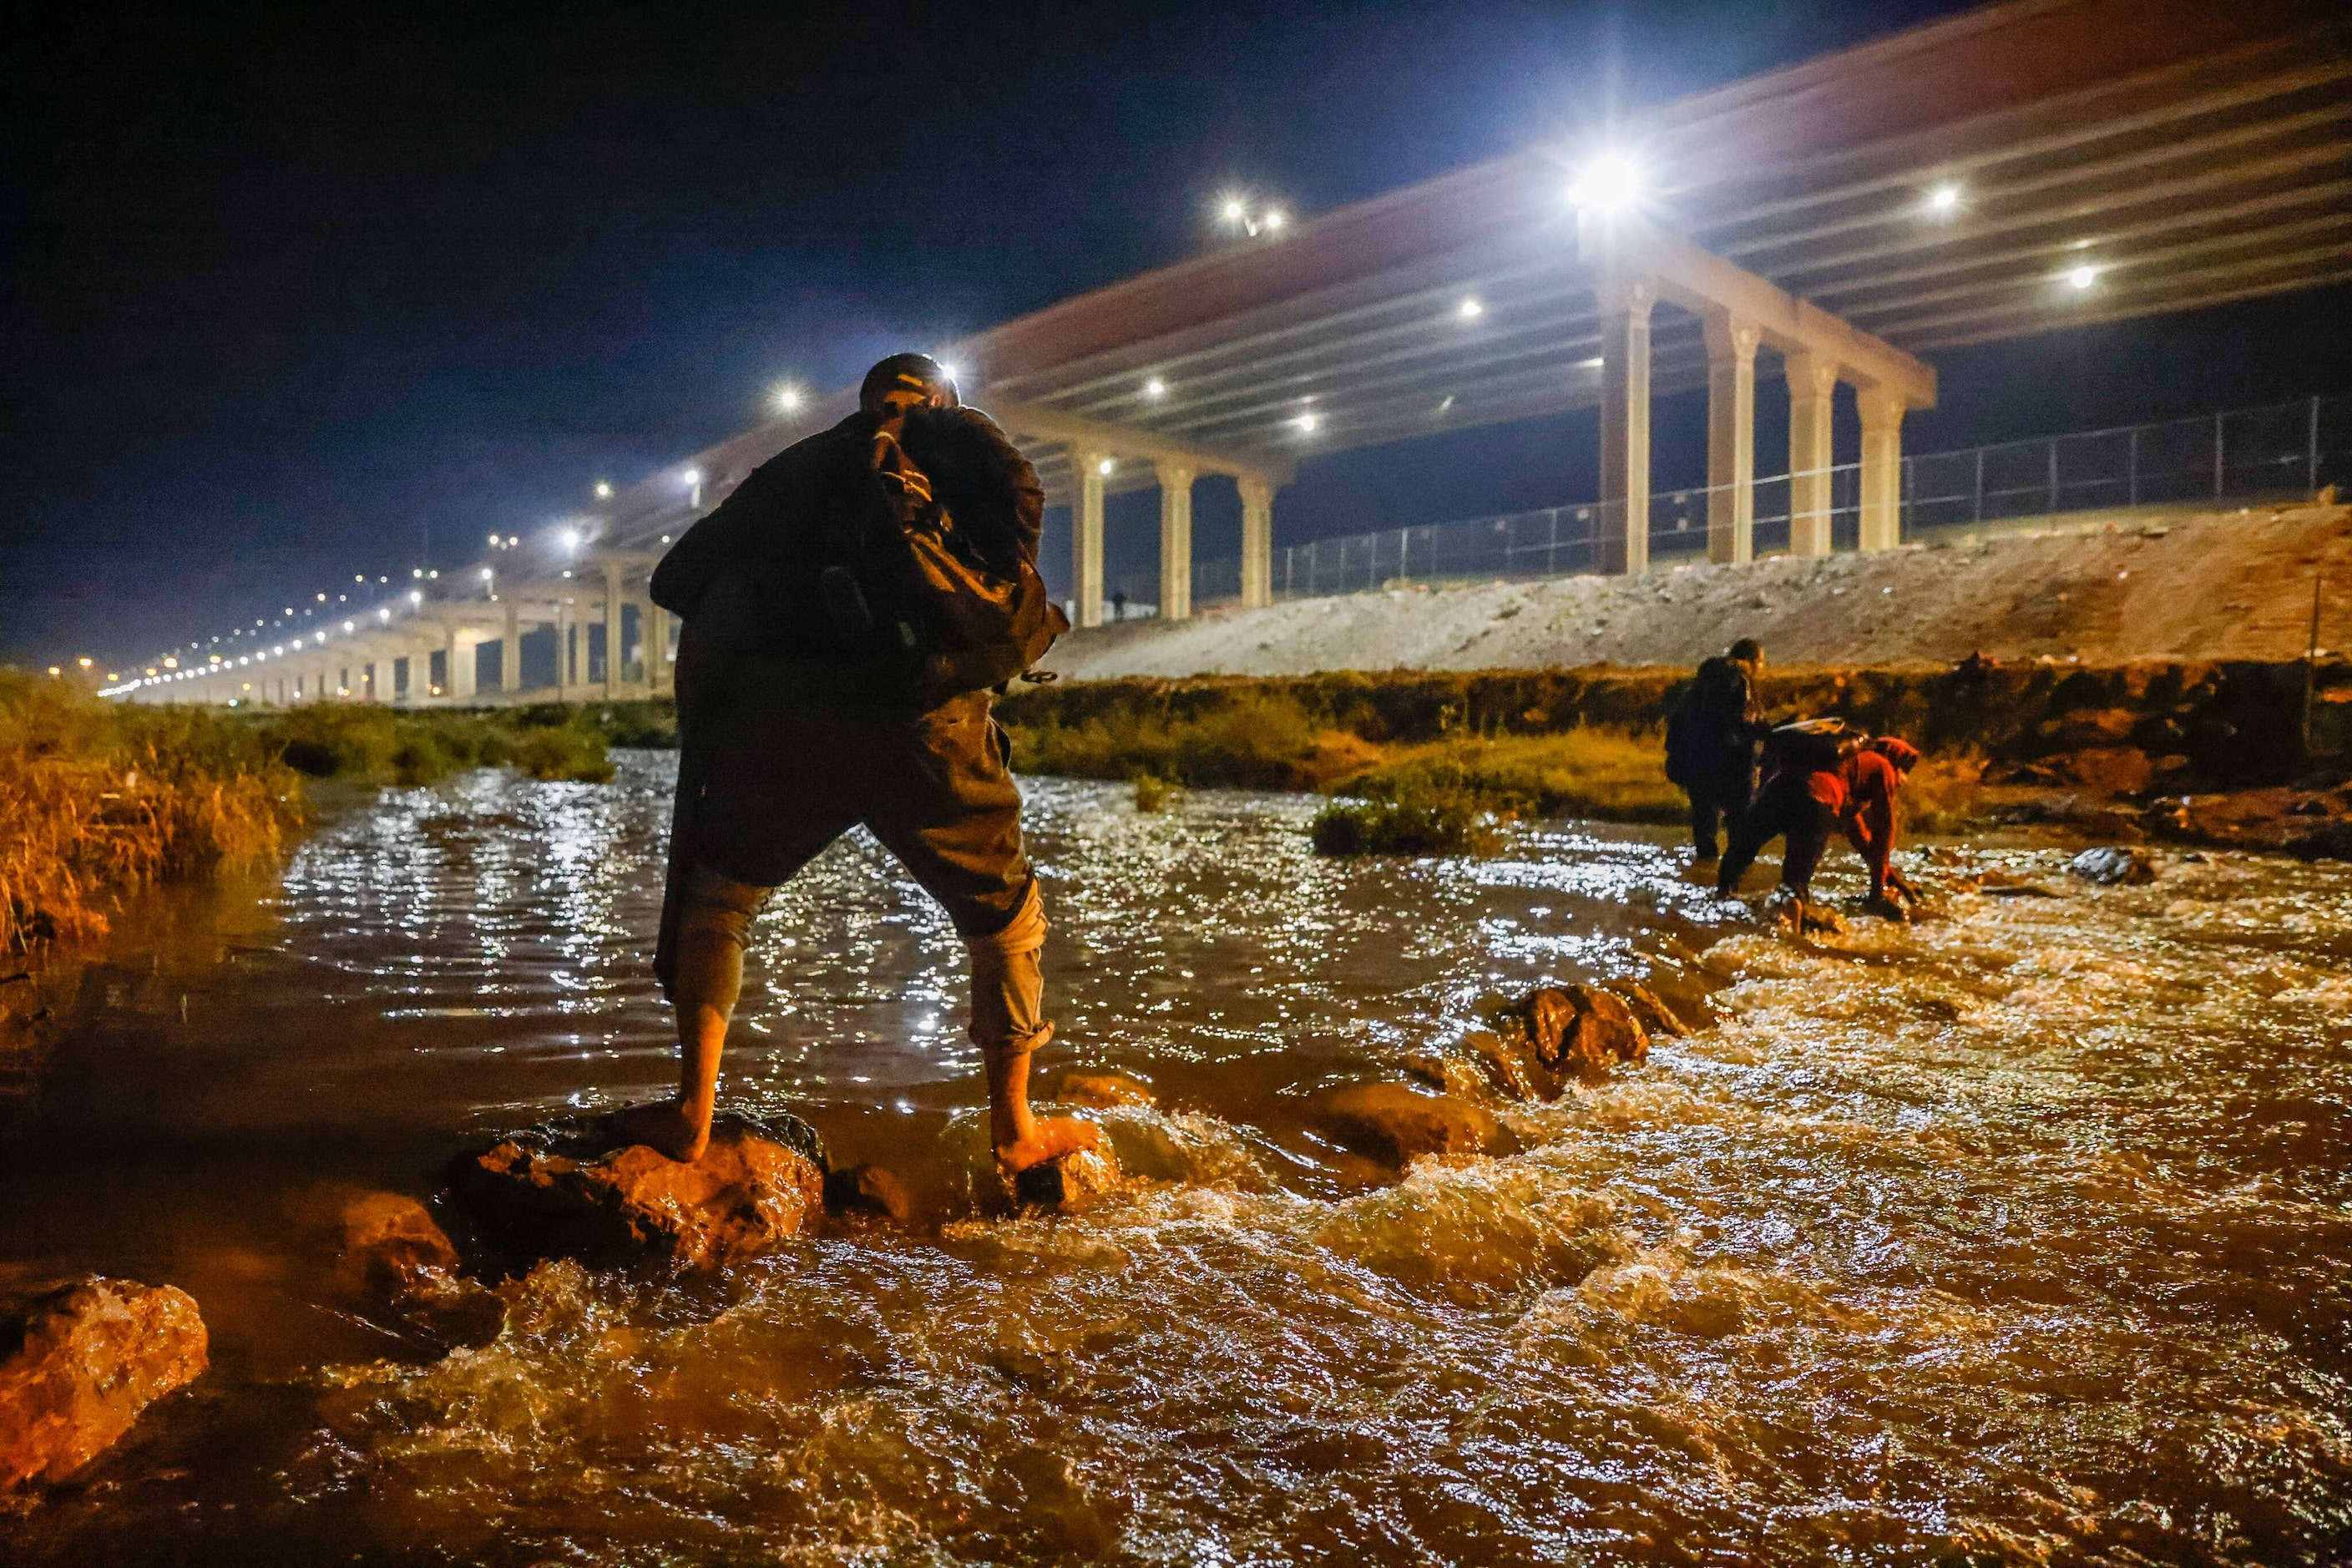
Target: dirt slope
{"points": [[2230, 585]]}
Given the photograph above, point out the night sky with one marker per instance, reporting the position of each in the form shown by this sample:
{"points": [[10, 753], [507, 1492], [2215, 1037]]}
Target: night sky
{"points": [[296, 294]]}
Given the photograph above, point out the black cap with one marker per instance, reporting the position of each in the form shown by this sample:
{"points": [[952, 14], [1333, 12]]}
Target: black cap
{"points": [[1747, 650], [907, 373]]}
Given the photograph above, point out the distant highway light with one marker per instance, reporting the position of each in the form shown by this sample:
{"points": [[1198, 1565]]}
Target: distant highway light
{"points": [[1105, 466], [788, 399], [1308, 424], [692, 477], [1275, 218], [1232, 209], [2082, 278], [1942, 199], [570, 539], [487, 573], [1155, 387], [1471, 309], [351, 625], [1610, 183], [603, 490], [414, 597]]}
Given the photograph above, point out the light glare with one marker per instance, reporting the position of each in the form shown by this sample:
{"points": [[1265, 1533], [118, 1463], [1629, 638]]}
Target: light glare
{"points": [[1610, 183]]}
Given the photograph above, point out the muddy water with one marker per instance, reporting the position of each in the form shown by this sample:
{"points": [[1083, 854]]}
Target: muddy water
{"points": [[2023, 1235]]}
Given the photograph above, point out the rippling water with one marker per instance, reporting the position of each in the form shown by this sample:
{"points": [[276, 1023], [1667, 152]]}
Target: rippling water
{"points": [[2022, 1236]]}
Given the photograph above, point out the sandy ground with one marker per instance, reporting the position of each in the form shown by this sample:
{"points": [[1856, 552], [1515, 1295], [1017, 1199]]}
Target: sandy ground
{"points": [[2232, 585]]}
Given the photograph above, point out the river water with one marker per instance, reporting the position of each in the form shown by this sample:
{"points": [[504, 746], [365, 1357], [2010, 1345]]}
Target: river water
{"points": [[2022, 1236]]}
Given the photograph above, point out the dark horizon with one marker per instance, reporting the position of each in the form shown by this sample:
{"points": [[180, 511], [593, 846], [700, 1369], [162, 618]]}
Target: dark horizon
{"points": [[297, 295]]}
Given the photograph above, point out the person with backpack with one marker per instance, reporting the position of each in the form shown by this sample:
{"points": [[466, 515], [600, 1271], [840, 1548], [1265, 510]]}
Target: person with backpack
{"points": [[1823, 776], [849, 613], [1711, 738]]}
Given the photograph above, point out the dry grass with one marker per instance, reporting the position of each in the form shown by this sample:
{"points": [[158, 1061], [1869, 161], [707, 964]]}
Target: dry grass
{"points": [[99, 799], [1582, 773]]}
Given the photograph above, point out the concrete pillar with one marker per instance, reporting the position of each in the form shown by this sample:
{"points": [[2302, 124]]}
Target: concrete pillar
{"points": [[1882, 468], [1812, 390], [655, 622], [1626, 414], [613, 650], [564, 651], [1086, 537], [510, 650], [1730, 438], [457, 652], [1258, 540], [1175, 539]]}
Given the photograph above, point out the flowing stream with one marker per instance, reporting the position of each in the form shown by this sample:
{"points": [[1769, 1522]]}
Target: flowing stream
{"points": [[2022, 1236]]}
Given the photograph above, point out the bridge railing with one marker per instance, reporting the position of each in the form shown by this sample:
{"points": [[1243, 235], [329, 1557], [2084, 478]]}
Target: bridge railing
{"points": [[2286, 449]]}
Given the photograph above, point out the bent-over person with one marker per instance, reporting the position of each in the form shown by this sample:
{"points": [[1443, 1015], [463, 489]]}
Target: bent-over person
{"points": [[1805, 802]]}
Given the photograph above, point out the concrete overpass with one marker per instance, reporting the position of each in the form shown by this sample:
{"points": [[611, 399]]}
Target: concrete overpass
{"points": [[2024, 167]]}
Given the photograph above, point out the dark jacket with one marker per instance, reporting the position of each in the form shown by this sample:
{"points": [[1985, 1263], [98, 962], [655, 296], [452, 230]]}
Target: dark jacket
{"points": [[1713, 732], [803, 510]]}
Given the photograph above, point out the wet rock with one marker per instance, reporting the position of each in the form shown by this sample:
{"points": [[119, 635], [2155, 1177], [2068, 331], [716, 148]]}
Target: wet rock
{"points": [[564, 1190], [81, 1362], [869, 1189], [2332, 842], [1104, 1090], [1448, 1075], [2113, 864], [1582, 1029], [1396, 1124], [392, 1244], [1649, 1008], [1071, 1183]]}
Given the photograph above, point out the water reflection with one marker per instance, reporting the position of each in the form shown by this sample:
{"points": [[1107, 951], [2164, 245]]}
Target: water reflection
{"points": [[2017, 1237]]}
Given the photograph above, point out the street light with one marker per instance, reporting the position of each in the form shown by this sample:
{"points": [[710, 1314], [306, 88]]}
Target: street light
{"points": [[1942, 199], [787, 398], [603, 490], [2082, 277], [1236, 211], [1610, 185]]}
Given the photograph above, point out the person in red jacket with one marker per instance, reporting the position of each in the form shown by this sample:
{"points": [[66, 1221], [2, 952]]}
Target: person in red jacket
{"points": [[1806, 805]]}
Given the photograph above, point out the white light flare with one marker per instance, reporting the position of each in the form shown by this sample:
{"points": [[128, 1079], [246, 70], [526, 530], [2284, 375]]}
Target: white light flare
{"points": [[1611, 183]]}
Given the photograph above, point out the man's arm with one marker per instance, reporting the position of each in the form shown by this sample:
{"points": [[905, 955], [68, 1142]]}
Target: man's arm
{"points": [[1870, 823], [989, 488], [755, 522]]}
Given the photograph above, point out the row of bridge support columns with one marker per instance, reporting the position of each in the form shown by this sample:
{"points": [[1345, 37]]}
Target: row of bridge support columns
{"points": [[1732, 343], [1175, 478]]}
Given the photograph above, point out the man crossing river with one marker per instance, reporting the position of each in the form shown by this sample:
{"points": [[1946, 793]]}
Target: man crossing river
{"points": [[846, 610]]}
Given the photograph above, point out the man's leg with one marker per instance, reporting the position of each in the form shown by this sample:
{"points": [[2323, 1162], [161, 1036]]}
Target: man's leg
{"points": [[1008, 1025], [1751, 830], [708, 932], [1704, 810], [1807, 836]]}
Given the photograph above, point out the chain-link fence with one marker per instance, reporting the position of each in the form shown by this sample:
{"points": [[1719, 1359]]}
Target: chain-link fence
{"points": [[2284, 450]]}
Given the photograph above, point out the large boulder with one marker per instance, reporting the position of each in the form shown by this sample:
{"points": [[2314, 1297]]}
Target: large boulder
{"points": [[1396, 1125], [394, 1252], [1582, 1029], [564, 1190], [81, 1363]]}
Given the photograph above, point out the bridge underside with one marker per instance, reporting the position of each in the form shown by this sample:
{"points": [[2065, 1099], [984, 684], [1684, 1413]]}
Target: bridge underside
{"points": [[2012, 170]]}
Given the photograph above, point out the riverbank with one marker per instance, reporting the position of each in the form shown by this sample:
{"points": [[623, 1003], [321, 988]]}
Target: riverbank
{"points": [[2150, 582], [2189, 750]]}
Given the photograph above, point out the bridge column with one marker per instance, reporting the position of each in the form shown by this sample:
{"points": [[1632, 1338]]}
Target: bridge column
{"points": [[1812, 391], [1086, 537], [1626, 307], [1175, 539], [1257, 540], [510, 650], [654, 622], [564, 651], [457, 658], [613, 648], [1882, 468], [1730, 438]]}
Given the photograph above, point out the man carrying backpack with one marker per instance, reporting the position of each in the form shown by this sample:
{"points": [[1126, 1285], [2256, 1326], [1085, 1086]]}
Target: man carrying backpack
{"points": [[1821, 777], [1711, 742], [847, 610]]}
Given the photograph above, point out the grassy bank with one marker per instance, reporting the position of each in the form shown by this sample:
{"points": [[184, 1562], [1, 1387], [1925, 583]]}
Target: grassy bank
{"points": [[389, 746], [98, 799], [1428, 751]]}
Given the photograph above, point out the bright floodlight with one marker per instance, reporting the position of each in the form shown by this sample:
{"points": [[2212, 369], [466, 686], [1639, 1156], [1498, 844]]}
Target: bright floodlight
{"points": [[570, 539], [692, 477], [2082, 278], [603, 490], [1232, 209], [950, 372], [787, 399], [1155, 387], [1105, 466], [83, 661], [1472, 310], [414, 597], [1944, 199], [1306, 423], [1610, 183], [485, 573], [1274, 220]]}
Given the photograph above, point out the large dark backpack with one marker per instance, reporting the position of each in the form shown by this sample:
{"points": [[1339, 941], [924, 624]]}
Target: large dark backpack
{"points": [[1811, 745], [1703, 726], [937, 612]]}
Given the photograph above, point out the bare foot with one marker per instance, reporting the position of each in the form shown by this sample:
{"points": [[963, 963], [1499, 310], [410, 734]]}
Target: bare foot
{"points": [[664, 1126], [1047, 1139]]}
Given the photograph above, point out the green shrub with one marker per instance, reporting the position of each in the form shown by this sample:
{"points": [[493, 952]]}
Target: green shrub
{"points": [[1426, 825], [1151, 793], [565, 752]]}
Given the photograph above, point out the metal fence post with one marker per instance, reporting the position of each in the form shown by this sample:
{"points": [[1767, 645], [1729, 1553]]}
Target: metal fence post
{"points": [[1980, 501], [2311, 453], [2218, 481], [2054, 474], [2131, 469]]}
